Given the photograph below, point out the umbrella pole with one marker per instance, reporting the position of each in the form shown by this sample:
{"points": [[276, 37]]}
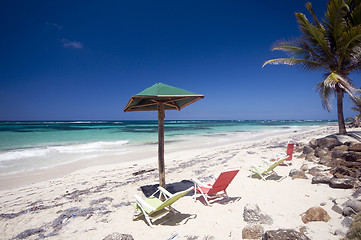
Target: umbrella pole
{"points": [[161, 167]]}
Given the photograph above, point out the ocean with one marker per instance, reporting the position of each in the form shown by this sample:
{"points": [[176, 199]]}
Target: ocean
{"points": [[28, 146]]}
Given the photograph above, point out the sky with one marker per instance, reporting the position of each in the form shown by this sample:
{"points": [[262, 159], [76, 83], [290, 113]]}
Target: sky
{"points": [[83, 60]]}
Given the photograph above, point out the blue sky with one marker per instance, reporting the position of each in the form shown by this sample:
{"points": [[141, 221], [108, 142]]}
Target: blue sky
{"points": [[83, 60]]}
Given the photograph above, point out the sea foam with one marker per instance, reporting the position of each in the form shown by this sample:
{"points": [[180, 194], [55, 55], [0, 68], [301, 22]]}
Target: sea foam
{"points": [[92, 147]]}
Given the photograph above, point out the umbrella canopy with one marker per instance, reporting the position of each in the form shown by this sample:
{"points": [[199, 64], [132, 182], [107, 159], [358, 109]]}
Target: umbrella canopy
{"points": [[172, 97], [161, 97]]}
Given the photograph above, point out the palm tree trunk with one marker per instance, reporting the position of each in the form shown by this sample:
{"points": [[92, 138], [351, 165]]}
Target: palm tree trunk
{"points": [[341, 120]]}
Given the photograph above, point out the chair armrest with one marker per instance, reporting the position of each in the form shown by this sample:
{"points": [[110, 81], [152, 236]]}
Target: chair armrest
{"points": [[269, 163], [165, 192], [142, 203], [199, 183], [257, 168]]}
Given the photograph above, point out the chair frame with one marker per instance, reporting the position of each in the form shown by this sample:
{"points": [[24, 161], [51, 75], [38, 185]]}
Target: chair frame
{"points": [[151, 212], [216, 194], [288, 155], [263, 172]]}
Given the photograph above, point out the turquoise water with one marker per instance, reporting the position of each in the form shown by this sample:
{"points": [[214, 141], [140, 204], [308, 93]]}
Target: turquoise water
{"points": [[30, 145]]}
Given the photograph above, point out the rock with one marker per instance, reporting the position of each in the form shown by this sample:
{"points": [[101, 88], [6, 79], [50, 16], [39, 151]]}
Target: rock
{"points": [[346, 222], [310, 157], [355, 147], [339, 154], [118, 236], [354, 204], [340, 148], [327, 142], [337, 209], [325, 160], [316, 214], [314, 171], [342, 171], [353, 156], [323, 204], [252, 232], [348, 211], [344, 183], [284, 234], [307, 150], [319, 152], [357, 193], [321, 178], [252, 214], [313, 143], [295, 173], [304, 167]]}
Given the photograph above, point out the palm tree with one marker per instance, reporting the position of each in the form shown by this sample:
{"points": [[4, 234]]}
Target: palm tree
{"points": [[355, 121], [333, 46]]}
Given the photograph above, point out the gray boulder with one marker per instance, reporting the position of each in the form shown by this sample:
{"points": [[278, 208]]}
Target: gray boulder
{"points": [[353, 146], [327, 142], [284, 234], [339, 154], [337, 208], [252, 214], [353, 156], [295, 173], [348, 211], [354, 204], [321, 178], [314, 171], [307, 150], [313, 143], [346, 222], [320, 152], [340, 148], [325, 160], [344, 183]]}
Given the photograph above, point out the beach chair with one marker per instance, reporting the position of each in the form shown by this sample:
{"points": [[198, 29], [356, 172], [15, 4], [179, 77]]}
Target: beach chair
{"points": [[218, 188], [265, 172], [154, 208], [287, 156]]}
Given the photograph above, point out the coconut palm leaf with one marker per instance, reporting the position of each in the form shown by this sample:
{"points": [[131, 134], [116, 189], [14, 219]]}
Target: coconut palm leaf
{"points": [[333, 45]]}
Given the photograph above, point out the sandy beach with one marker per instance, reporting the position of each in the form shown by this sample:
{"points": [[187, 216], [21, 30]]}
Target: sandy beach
{"points": [[94, 202]]}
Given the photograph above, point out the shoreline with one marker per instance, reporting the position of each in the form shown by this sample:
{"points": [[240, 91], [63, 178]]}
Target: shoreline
{"points": [[94, 202], [143, 152]]}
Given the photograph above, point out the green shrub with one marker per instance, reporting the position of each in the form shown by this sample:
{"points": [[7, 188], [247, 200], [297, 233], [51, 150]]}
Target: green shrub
{"points": [[354, 233]]}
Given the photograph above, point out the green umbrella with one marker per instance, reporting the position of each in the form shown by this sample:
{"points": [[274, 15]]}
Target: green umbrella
{"points": [[160, 97]]}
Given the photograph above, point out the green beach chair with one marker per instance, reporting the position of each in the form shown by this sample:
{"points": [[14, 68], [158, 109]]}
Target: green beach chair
{"points": [[265, 172], [154, 208]]}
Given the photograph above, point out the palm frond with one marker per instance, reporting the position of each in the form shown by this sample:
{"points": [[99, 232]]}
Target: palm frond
{"points": [[350, 45], [355, 9], [336, 19], [315, 36], [310, 9], [325, 93], [304, 64]]}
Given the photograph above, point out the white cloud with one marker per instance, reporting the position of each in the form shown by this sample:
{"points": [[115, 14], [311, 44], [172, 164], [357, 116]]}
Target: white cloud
{"points": [[71, 44], [55, 25]]}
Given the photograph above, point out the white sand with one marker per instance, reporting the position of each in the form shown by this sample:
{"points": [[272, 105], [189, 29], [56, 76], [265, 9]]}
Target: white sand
{"points": [[43, 202]]}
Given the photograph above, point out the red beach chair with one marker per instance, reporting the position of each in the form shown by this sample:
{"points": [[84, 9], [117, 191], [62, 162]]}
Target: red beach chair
{"points": [[209, 191], [287, 156]]}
